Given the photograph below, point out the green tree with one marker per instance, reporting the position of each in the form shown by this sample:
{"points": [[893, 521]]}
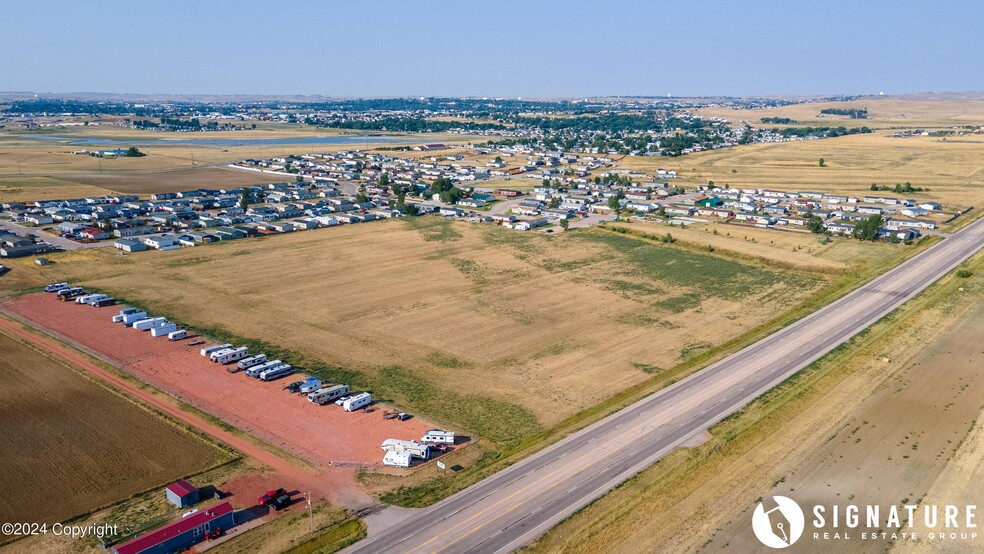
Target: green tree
{"points": [[244, 198], [613, 203], [498, 159], [361, 197], [565, 224], [815, 224], [384, 179], [822, 162], [132, 152], [867, 229]]}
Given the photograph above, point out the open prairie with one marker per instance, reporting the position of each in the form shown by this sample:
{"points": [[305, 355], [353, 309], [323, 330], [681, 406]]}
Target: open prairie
{"points": [[498, 331], [70, 445], [885, 420]]}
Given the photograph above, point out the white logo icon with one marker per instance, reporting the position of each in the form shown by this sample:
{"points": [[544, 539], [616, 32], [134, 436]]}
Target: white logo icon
{"points": [[781, 526]]}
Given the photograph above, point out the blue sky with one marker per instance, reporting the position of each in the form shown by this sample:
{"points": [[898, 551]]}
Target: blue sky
{"points": [[495, 48]]}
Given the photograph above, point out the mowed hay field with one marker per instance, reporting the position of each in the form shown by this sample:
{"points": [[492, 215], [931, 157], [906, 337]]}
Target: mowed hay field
{"points": [[953, 171], [499, 331], [886, 420], [68, 445], [882, 113]]}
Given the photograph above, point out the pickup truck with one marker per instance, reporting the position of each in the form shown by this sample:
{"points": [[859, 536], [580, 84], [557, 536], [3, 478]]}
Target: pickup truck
{"points": [[271, 496]]}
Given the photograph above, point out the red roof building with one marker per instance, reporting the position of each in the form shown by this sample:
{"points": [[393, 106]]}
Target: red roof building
{"points": [[181, 534]]}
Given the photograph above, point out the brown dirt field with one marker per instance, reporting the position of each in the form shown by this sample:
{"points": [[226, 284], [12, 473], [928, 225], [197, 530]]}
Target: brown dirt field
{"points": [[320, 434], [147, 182], [70, 445]]}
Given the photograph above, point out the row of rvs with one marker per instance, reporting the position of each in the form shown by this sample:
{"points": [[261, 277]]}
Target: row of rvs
{"points": [[254, 366], [67, 293], [158, 326]]}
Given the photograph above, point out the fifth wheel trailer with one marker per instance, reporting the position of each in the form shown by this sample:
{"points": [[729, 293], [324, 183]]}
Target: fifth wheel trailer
{"points": [[436, 436], [232, 355], [255, 370], [148, 324], [251, 361], [209, 349], [357, 401], [328, 394], [276, 372]]}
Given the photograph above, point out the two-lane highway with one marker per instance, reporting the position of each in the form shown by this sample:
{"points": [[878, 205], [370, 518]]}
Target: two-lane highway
{"points": [[516, 505]]}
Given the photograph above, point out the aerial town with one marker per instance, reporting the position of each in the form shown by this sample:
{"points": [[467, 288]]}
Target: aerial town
{"points": [[463, 278]]}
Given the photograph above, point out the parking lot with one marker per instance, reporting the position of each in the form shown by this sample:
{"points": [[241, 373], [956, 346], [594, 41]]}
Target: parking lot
{"points": [[320, 434]]}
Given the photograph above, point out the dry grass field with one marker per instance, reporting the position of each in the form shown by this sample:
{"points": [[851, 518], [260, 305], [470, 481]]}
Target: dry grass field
{"points": [[953, 171], [882, 113], [32, 168], [883, 421], [498, 331], [796, 250], [69, 445]]}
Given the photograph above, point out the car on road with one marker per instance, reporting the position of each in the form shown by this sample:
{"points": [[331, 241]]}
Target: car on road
{"points": [[271, 496]]}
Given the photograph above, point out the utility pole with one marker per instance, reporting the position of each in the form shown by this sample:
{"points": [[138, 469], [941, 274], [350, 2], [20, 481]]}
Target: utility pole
{"points": [[310, 511]]}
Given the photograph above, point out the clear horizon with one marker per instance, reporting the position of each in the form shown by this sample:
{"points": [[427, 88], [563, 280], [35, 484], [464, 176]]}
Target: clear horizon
{"points": [[506, 49]]}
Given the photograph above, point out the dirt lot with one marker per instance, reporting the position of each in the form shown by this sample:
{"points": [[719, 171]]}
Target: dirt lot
{"points": [[70, 445], [320, 434]]}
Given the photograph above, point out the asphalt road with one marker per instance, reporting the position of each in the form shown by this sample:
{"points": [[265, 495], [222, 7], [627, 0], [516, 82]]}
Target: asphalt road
{"points": [[516, 505], [53, 240]]}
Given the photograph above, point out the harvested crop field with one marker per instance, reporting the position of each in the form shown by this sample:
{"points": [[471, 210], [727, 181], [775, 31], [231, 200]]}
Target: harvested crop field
{"points": [[69, 445], [497, 331], [320, 434], [172, 180]]}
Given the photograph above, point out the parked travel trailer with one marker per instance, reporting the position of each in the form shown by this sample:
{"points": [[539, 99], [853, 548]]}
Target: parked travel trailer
{"points": [[328, 394], [230, 355], [92, 299], [85, 298], [311, 384], [150, 323], [414, 448], [163, 330], [255, 370], [118, 318], [131, 318], [55, 287], [251, 361], [436, 436], [69, 294], [209, 349], [276, 372], [108, 301], [357, 401], [180, 334], [396, 459]]}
